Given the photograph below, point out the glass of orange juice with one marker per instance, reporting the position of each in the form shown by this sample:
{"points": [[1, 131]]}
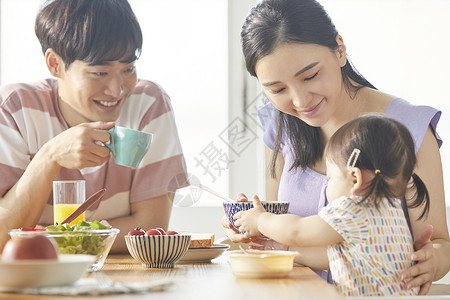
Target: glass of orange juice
{"points": [[67, 197]]}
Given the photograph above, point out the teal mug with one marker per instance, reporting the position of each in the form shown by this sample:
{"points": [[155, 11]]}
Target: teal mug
{"points": [[128, 146]]}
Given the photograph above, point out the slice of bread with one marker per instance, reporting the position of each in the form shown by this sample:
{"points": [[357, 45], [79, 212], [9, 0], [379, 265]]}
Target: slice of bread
{"points": [[201, 240]]}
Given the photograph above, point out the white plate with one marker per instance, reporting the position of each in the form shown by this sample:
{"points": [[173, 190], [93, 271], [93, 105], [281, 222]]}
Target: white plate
{"points": [[203, 254], [36, 273]]}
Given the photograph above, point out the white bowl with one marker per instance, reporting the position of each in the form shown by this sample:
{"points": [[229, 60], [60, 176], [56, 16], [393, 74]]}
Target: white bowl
{"points": [[262, 263], [65, 270]]}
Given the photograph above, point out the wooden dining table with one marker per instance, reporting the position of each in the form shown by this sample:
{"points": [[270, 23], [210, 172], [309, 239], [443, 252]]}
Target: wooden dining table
{"points": [[208, 280]]}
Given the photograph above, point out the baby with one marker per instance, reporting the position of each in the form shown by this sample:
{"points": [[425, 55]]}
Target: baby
{"points": [[370, 163]]}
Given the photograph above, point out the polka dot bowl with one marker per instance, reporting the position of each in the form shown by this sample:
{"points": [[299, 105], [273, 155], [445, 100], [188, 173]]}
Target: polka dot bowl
{"points": [[274, 207]]}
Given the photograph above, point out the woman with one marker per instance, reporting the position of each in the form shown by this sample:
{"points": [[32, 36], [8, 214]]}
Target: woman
{"points": [[295, 51]]}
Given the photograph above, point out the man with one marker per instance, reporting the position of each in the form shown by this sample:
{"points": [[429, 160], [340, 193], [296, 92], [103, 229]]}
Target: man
{"points": [[54, 129]]}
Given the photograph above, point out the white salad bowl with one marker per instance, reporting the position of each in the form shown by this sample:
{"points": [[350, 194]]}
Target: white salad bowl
{"points": [[95, 242]]}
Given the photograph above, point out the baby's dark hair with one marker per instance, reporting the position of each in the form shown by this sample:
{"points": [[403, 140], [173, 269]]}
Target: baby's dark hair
{"points": [[387, 150]]}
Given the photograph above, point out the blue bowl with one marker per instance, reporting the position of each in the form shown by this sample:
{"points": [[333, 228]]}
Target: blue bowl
{"points": [[274, 207], [158, 251]]}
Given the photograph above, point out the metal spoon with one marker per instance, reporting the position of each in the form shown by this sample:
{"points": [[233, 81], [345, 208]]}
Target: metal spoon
{"points": [[243, 250], [85, 205], [209, 190]]}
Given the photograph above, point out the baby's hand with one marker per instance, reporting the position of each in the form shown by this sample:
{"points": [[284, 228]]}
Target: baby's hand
{"points": [[247, 221]]}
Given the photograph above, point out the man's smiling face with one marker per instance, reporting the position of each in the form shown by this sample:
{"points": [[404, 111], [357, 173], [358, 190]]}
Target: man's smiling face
{"points": [[94, 93]]}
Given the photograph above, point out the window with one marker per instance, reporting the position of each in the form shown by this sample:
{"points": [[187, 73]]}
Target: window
{"points": [[400, 46], [185, 51], [192, 49]]}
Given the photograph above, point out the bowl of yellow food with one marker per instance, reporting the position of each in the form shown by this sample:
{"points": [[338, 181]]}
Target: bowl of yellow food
{"points": [[261, 263]]}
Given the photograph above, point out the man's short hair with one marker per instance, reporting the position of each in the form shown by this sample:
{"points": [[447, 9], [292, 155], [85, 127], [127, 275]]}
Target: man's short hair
{"points": [[92, 31]]}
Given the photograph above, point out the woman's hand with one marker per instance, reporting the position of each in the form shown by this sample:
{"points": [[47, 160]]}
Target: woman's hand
{"points": [[232, 233], [422, 273], [247, 221], [78, 148]]}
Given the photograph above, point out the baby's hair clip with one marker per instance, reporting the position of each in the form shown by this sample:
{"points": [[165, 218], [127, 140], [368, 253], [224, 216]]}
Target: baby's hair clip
{"points": [[353, 158], [377, 171]]}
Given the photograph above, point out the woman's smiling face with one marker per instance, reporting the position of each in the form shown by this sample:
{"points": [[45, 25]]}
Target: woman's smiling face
{"points": [[95, 93], [303, 80]]}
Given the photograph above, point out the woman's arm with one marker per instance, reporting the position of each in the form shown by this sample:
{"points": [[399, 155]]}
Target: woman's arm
{"points": [[433, 257]]}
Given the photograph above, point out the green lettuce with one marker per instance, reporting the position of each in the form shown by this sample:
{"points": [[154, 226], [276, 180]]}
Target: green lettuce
{"points": [[82, 243]]}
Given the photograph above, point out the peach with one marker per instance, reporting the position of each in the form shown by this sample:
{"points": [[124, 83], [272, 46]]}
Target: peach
{"points": [[30, 247]]}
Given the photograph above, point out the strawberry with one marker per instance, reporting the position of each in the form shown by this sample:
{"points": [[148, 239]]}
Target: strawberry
{"points": [[163, 232], [137, 231], [153, 232], [33, 229]]}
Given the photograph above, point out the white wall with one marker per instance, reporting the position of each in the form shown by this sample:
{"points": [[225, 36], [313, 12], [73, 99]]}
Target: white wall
{"points": [[205, 219]]}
